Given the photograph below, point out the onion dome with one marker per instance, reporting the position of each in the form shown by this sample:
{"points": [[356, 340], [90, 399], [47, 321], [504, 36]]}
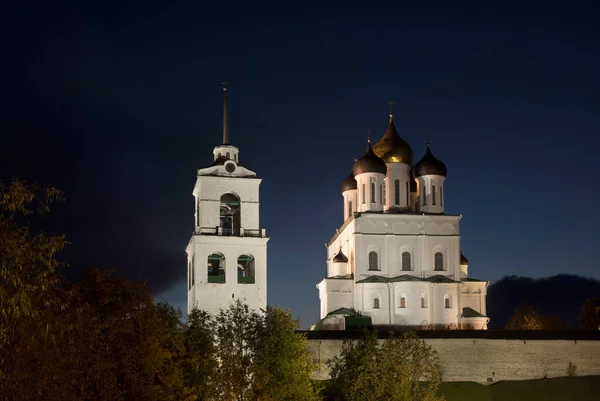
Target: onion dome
{"points": [[369, 163], [393, 149], [348, 184], [463, 259], [429, 165], [340, 257]]}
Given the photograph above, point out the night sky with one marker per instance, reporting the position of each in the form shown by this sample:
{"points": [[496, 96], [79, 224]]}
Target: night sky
{"points": [[118, 103]]}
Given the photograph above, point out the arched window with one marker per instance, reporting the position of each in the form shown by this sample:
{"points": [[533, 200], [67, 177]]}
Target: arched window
{"points": [[230, 214], [235, 157], [433, 194], [193, 273], [372, 192], [407, 195], [442, 196], [373, 262], [423, 301], [349, 208], [219, 156], [424, 195], [245, 265], [189, 275], [403, 302], [364, 194], [396, 192], [406, 261], [381, 194], [227, 155], [216, 268], [438, 261], [447, 302], [375, 303]]}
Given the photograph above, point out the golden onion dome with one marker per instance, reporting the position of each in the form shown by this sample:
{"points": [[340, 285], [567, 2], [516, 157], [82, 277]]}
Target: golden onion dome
{"points": [[393, 149]]}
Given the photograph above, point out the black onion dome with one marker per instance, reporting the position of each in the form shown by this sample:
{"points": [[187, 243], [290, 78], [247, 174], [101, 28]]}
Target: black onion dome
{"points": [[369, 163], [463, 259], [429, 165], [340, 258], [348, 183], [392, 148]]}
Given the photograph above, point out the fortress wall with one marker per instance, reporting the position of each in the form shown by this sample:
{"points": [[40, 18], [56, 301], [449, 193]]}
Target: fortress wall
{"points": [[482, 360]]}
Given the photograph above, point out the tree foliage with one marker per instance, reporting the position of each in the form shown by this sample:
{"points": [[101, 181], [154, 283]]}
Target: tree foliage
{"points": [[400, 368], [589, 317], [29, 283], [526, 317], [241, 354], [282, 366]]}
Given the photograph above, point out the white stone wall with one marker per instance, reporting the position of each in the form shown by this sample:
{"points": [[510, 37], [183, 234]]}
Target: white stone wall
{"points": [[350, 196], [373, 204], [426, 184], [390, 235], [209, 190], [215, 296], [479, 359], [335, 294], [397, 171]]}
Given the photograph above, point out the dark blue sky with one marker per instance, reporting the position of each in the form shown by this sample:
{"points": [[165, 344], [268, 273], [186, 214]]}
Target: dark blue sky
{"points": [[118, 103]]}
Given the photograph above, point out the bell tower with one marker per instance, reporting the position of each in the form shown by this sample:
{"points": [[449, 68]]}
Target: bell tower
{"points": [[227, 254]]}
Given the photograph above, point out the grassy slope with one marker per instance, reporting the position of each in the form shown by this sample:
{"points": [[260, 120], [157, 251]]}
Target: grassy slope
{"points": [[581, 388]]}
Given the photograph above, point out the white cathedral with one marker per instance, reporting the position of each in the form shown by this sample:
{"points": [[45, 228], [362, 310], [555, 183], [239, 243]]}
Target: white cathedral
{"points": [[227, 254], [396, 260]]}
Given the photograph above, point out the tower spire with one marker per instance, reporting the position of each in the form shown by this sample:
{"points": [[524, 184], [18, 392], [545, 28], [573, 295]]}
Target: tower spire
{"points": [[225, 122]]}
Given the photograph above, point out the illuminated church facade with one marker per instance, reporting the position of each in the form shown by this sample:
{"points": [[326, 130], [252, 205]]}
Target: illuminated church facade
{"points": [[227, 253], [397, 257]]}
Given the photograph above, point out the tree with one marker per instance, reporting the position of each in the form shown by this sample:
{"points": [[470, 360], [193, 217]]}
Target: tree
{"points": [[236, 330], [120, 345], [282, 367], [526, 317], [200, 363], [29, 284], [242, 354], [400, 368], [589, 317]]}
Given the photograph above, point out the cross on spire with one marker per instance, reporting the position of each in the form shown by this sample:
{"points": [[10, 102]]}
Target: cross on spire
{"points": [[391, 103]]}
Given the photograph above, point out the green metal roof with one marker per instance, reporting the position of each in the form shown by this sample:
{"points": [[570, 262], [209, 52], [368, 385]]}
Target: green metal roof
{"points": [[353, 320], [438, 278], [406, 277], [373, 279], [468, 312], [343, 311]]}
